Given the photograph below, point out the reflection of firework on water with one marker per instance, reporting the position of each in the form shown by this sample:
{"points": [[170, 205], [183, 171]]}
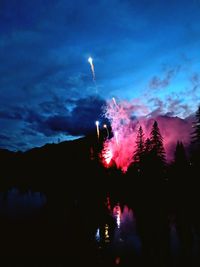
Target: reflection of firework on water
{"points": [[124, 224], [97, 236], [106, 233], [117, 214]]}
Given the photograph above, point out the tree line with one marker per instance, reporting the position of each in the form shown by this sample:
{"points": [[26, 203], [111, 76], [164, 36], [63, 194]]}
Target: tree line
{"points": [[150, 153]]}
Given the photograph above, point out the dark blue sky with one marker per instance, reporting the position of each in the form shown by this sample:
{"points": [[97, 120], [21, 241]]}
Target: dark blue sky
{"points": [[145, 51]]}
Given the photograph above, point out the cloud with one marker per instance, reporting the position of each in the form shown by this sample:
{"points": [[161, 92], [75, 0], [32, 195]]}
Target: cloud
{"points": [[121, 146], [55, 116], [44, 71], [4, 137], [171, 106], [48, 121], [158, 106], [81, 120], [195, 80], [14, 113], [178, 107], [162, 82]]}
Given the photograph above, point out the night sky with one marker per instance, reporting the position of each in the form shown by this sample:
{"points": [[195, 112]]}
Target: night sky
{"points": [[145, 51]]}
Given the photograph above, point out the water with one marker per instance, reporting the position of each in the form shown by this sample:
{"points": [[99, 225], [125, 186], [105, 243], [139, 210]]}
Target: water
{"points": [[164, 240], [49, 230], [15, 204]]}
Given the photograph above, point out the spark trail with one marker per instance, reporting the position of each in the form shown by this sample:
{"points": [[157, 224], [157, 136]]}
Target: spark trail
{"points": [[97, 126], [107, 131], [118, 149], [90, 60]]}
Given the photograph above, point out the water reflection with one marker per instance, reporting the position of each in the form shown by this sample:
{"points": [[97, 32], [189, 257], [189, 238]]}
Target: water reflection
{"points": [[162, 240], [13, 203], [118, 234]]}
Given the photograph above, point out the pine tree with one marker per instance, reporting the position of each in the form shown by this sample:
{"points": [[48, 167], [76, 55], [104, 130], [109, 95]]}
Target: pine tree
{"points": [[195, 141], [196, 132], [140, 146], [180, 159], [146, 158], [147, 146], [157, 148], [181, 175]]}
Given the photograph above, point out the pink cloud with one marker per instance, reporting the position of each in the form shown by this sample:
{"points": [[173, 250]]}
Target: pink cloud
{"points": [[120, 148]]}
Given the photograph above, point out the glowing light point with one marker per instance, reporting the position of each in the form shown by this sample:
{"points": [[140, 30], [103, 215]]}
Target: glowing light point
{"points": [[118, 221], [105, 127], [97, 236], [117, 261], [107, 233], [108, 156], [117, 215], [97, 126], [90, 60]]}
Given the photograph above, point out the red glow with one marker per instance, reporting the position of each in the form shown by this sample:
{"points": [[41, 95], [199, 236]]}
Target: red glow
{"points": [[117, 214], [108, 156], [117, 210], [117, 260], [108, 205], [120, 148]]}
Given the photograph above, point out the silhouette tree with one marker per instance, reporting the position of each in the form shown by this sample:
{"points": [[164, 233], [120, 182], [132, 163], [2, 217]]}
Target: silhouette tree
{"points": [[140, 146], [180, 158], [195, 140], [196, 126], [183, 206], [146, 158], [180, 166], [194, 170], [157, 149], [147, 146], [154, 232], [153, 164]]}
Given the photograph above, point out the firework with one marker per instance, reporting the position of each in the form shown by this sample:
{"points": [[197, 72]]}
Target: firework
{"points": [[117, 214], [108, 156], [115, 103], [90, 60], [97, 126], [119, 148], [106, 127]]}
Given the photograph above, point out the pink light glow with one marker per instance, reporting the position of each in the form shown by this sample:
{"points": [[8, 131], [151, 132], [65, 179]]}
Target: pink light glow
{"points": [[120, 148], [117, 214], [117, 260], [107, 155]]}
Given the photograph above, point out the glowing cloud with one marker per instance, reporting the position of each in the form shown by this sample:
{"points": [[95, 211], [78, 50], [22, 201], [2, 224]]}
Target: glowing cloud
{"points": [[125, 119]]}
